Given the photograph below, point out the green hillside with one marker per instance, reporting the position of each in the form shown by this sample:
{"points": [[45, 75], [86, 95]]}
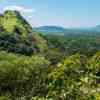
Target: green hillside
{"points": [[17, 32], [12, 22]]}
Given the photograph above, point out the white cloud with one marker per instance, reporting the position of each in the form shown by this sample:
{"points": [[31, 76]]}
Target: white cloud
{"points": [[20, 8], [30, 16]]}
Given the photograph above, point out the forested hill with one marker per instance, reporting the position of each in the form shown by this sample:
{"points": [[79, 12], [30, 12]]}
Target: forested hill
{"points": [[16, 34], [12, 22], [34, 66]]}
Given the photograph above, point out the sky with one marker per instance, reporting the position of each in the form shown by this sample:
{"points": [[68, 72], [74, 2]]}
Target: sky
{"points": [[66, 13]]}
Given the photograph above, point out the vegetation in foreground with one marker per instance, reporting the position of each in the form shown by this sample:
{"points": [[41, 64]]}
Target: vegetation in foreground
{"points": [[38, 67]]}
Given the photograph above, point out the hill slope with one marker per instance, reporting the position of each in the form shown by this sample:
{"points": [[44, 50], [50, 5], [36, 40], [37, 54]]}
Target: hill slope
{"points": [[16, 34], [13, 22]]}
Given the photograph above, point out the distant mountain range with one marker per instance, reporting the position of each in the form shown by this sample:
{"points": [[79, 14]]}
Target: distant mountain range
{"points": [[62, 31], [51, 29]]}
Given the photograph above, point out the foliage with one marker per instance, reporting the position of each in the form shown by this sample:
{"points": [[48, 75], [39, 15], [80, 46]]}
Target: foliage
{"points": [[16, 35], [4, 98], [33, 77], [13, 22], [20, 75], [38, 67], [73, 43]]}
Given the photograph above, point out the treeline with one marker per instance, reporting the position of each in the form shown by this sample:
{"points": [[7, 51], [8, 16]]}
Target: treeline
{"points": [[87, 44]]}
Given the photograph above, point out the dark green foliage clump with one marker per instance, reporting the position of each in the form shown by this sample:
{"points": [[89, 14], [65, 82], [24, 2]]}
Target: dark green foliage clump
{"points": [[16, 45], [22, 75]]}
